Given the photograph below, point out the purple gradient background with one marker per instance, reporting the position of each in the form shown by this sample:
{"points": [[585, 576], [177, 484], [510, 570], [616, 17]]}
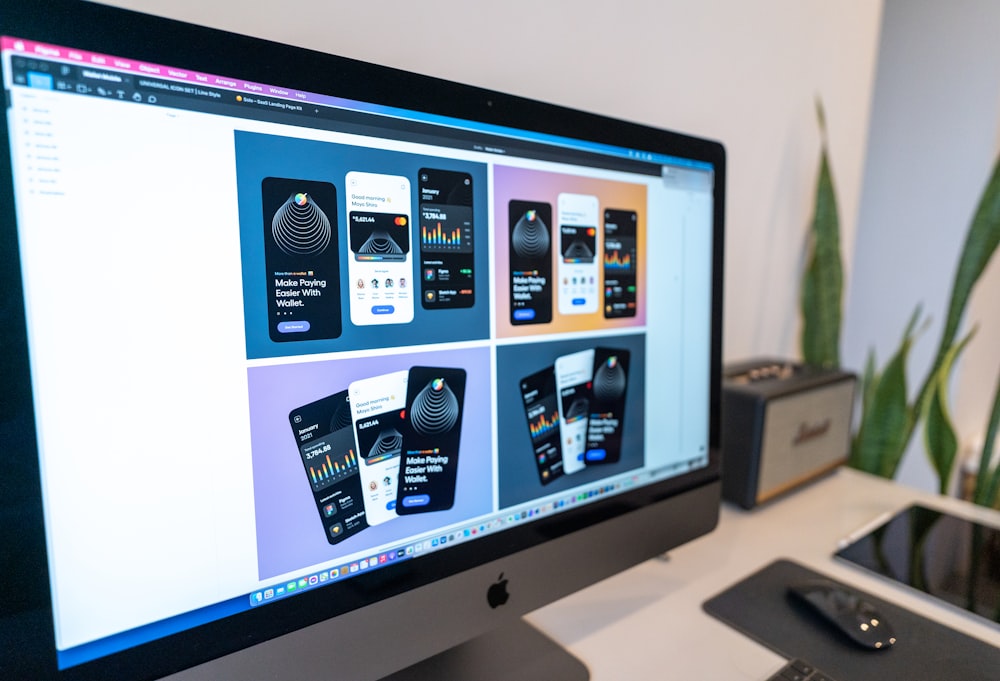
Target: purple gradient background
{"points": [[290, 535]]}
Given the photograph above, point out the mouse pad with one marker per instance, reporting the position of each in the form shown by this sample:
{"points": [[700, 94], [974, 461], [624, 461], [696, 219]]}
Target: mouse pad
{"points": [[760, 607]]}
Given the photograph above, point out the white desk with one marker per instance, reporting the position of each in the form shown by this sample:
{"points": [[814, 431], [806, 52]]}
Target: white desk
{"points": [[647, 623]]}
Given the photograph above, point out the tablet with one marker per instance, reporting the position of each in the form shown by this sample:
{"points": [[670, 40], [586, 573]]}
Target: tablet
{"points": [[953, 559]]}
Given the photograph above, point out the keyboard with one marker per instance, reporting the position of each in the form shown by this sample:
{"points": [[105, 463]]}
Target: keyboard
{"points": [[799, 670]]}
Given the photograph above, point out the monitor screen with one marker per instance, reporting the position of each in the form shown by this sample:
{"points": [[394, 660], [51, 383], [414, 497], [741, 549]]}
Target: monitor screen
{"points": [[293, 344]]}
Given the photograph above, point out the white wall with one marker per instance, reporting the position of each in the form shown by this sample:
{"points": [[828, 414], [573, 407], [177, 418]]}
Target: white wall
{"points": [[745, 73], [932, 145]]}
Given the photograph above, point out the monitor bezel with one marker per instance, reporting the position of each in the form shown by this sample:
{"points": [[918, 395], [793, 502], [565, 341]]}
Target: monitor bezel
{"points": [[26, 613]]}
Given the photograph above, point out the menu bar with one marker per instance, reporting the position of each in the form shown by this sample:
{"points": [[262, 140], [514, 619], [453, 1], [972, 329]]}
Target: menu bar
{"points": [[186, 82], [42, 50]]}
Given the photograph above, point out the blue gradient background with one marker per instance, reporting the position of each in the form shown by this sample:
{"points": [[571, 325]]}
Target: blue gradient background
{"points": [[517, 471], [259, 156]]}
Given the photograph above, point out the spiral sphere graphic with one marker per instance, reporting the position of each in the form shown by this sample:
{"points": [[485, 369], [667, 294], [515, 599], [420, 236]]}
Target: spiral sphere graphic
{"points": [[389, 442], [380, 243], [530, 238], [609, 380], [579, 251], [300, 227], [435, 409], [577, 409], [341, 417]]}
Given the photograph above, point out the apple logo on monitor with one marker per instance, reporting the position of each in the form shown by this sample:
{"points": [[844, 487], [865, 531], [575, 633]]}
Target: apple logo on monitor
{"points": [[497, 594]]}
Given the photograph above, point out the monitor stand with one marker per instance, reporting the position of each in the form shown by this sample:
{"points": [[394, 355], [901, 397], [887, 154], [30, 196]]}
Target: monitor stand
{"points": [[516, 652]]}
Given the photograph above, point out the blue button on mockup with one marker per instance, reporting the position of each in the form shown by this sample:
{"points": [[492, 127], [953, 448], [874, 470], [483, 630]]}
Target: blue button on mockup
{"points": [[293, 327], [416, 500]]}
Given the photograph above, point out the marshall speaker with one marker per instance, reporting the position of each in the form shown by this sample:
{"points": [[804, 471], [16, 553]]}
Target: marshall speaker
{"points": [[782, 424]]}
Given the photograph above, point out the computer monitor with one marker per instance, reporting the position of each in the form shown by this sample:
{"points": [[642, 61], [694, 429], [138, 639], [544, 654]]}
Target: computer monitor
{"points": [[314, 368]]}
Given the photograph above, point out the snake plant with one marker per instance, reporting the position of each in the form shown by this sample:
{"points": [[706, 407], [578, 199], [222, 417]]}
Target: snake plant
{"points": [[888, 417]]}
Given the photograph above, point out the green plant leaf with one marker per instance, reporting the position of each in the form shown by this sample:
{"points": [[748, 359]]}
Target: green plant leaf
{"points": [[821, 301], [987, 481], [869, 382], [980, 244], [940, 439], [887, 422]]}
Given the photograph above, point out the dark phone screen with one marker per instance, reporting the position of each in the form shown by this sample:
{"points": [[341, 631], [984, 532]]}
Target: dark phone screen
{"points": [[530, 262], [447, 259], [302, 259], [325, 437], [607, 406], [541, 407], [620, 262], [428, 472]]}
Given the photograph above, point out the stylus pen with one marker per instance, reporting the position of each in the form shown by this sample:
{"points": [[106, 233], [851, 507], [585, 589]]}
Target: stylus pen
{"points": [[865, 529]]}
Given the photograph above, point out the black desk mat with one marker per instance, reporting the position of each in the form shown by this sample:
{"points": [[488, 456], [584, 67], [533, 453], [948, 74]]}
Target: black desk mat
{"points": [[925, 650]]}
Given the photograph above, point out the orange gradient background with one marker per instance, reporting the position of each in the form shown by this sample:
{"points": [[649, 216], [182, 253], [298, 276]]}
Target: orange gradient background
{"points": [[535, 185]]}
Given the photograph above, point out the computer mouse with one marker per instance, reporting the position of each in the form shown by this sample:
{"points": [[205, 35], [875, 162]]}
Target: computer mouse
{"points": [[855, 617]]}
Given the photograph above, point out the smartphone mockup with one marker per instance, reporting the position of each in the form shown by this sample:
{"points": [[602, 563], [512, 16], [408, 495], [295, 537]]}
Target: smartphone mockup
{"points": [[447, 263], [380, 264], [429, 467], [301, 259], [573, 386], [620, 271], [530, 243], [607, 406], [377, 406], [578, 271], [541, 408], [324, 433]]}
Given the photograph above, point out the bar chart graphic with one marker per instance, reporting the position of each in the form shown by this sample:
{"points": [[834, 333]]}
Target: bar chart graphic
{"points": [[446, 229], [439, 236], [543, 425], [616, 261], [329, 469]]}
